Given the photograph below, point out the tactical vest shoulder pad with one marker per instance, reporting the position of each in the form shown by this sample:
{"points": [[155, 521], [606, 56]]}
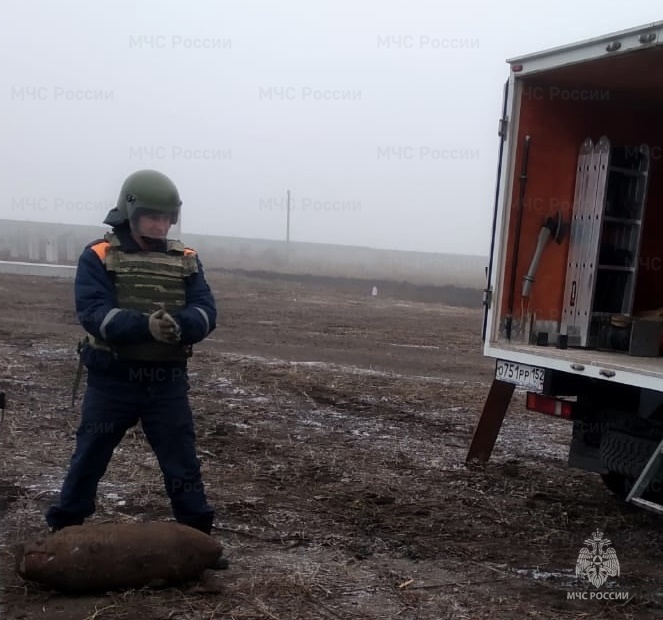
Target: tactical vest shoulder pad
{"points": [[113, 239], [177, 246], [101, 248], [173, 245], [190, 261]]}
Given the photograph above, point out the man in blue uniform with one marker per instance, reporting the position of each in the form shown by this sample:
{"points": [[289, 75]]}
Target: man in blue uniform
{"points": [[143, 301]]}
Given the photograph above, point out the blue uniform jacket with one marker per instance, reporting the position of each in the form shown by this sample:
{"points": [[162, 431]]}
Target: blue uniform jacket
{"points": [[97, 311]]}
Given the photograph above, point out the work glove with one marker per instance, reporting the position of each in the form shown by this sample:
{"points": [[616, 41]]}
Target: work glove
{"points": [[163, 327]]}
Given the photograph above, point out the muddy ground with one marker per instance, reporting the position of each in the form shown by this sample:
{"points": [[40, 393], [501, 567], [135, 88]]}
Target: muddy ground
{"points": [[332, 428]]}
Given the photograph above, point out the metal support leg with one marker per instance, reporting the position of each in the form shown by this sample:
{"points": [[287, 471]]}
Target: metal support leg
{"points": [[490, 422]]}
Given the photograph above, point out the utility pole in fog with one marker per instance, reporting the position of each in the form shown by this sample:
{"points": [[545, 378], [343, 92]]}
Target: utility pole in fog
{"points": [[287, 221], [287, 230]]}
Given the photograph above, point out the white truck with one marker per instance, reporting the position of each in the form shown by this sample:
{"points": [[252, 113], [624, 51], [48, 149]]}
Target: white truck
{"points": [[574, 296]]}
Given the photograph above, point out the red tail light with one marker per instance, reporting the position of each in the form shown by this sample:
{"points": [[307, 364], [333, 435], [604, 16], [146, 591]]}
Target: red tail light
{"points": [[550, 405]]}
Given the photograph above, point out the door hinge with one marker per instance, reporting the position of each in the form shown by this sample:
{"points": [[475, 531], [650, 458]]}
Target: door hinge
{"points": [[487, 297], [501, 129]]}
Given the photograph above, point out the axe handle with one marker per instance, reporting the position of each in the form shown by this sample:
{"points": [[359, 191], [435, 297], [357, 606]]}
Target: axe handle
{"points": [[544, 236]]}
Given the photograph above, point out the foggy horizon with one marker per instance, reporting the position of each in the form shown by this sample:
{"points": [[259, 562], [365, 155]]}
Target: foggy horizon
{"points": [[381, 119]]}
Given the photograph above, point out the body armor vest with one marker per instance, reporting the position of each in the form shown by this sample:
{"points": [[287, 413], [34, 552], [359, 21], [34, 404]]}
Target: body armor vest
{"points": [[147, 282]]}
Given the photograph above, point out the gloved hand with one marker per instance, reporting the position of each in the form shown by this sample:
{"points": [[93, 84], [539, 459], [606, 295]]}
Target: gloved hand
{"points": [[163, 327], [172, 327]]}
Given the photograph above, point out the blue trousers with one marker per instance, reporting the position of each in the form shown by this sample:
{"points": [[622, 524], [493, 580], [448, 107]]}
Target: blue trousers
{"points": [[108, 411]]}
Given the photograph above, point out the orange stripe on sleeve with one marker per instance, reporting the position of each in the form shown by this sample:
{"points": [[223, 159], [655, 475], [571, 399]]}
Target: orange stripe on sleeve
{"points": [[101, 249]]}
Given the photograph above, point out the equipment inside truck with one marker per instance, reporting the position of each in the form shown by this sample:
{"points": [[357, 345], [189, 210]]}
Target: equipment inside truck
{"points": [[583, 257]]}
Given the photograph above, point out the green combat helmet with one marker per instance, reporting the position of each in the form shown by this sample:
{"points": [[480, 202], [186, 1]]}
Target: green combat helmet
{"points": [[145, 189]]}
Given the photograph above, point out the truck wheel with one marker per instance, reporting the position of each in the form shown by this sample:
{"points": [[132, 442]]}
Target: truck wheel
{"points": [[618, 484], [624, 456]]}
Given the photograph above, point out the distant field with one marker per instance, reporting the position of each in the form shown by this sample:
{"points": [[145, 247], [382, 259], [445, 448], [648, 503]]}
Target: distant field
{"points": [[59, 243]]}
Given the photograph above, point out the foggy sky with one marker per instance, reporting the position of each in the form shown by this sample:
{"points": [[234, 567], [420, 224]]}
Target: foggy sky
{"points": [[380, 117]]}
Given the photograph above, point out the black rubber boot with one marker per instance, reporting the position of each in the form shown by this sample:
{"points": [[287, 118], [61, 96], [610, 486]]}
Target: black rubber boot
{"points": [[221, 564], [202, 522]]}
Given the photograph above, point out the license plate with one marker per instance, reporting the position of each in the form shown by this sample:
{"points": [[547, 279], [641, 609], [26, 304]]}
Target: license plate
{"points": [[522, 375]]}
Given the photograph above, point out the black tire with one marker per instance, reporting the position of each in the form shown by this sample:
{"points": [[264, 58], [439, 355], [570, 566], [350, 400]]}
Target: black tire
{"points": [[617, 484], [625, 456]]}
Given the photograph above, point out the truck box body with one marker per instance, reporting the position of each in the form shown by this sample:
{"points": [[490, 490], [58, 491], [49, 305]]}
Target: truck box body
{"points": [[560, 98], [574, 297]]}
